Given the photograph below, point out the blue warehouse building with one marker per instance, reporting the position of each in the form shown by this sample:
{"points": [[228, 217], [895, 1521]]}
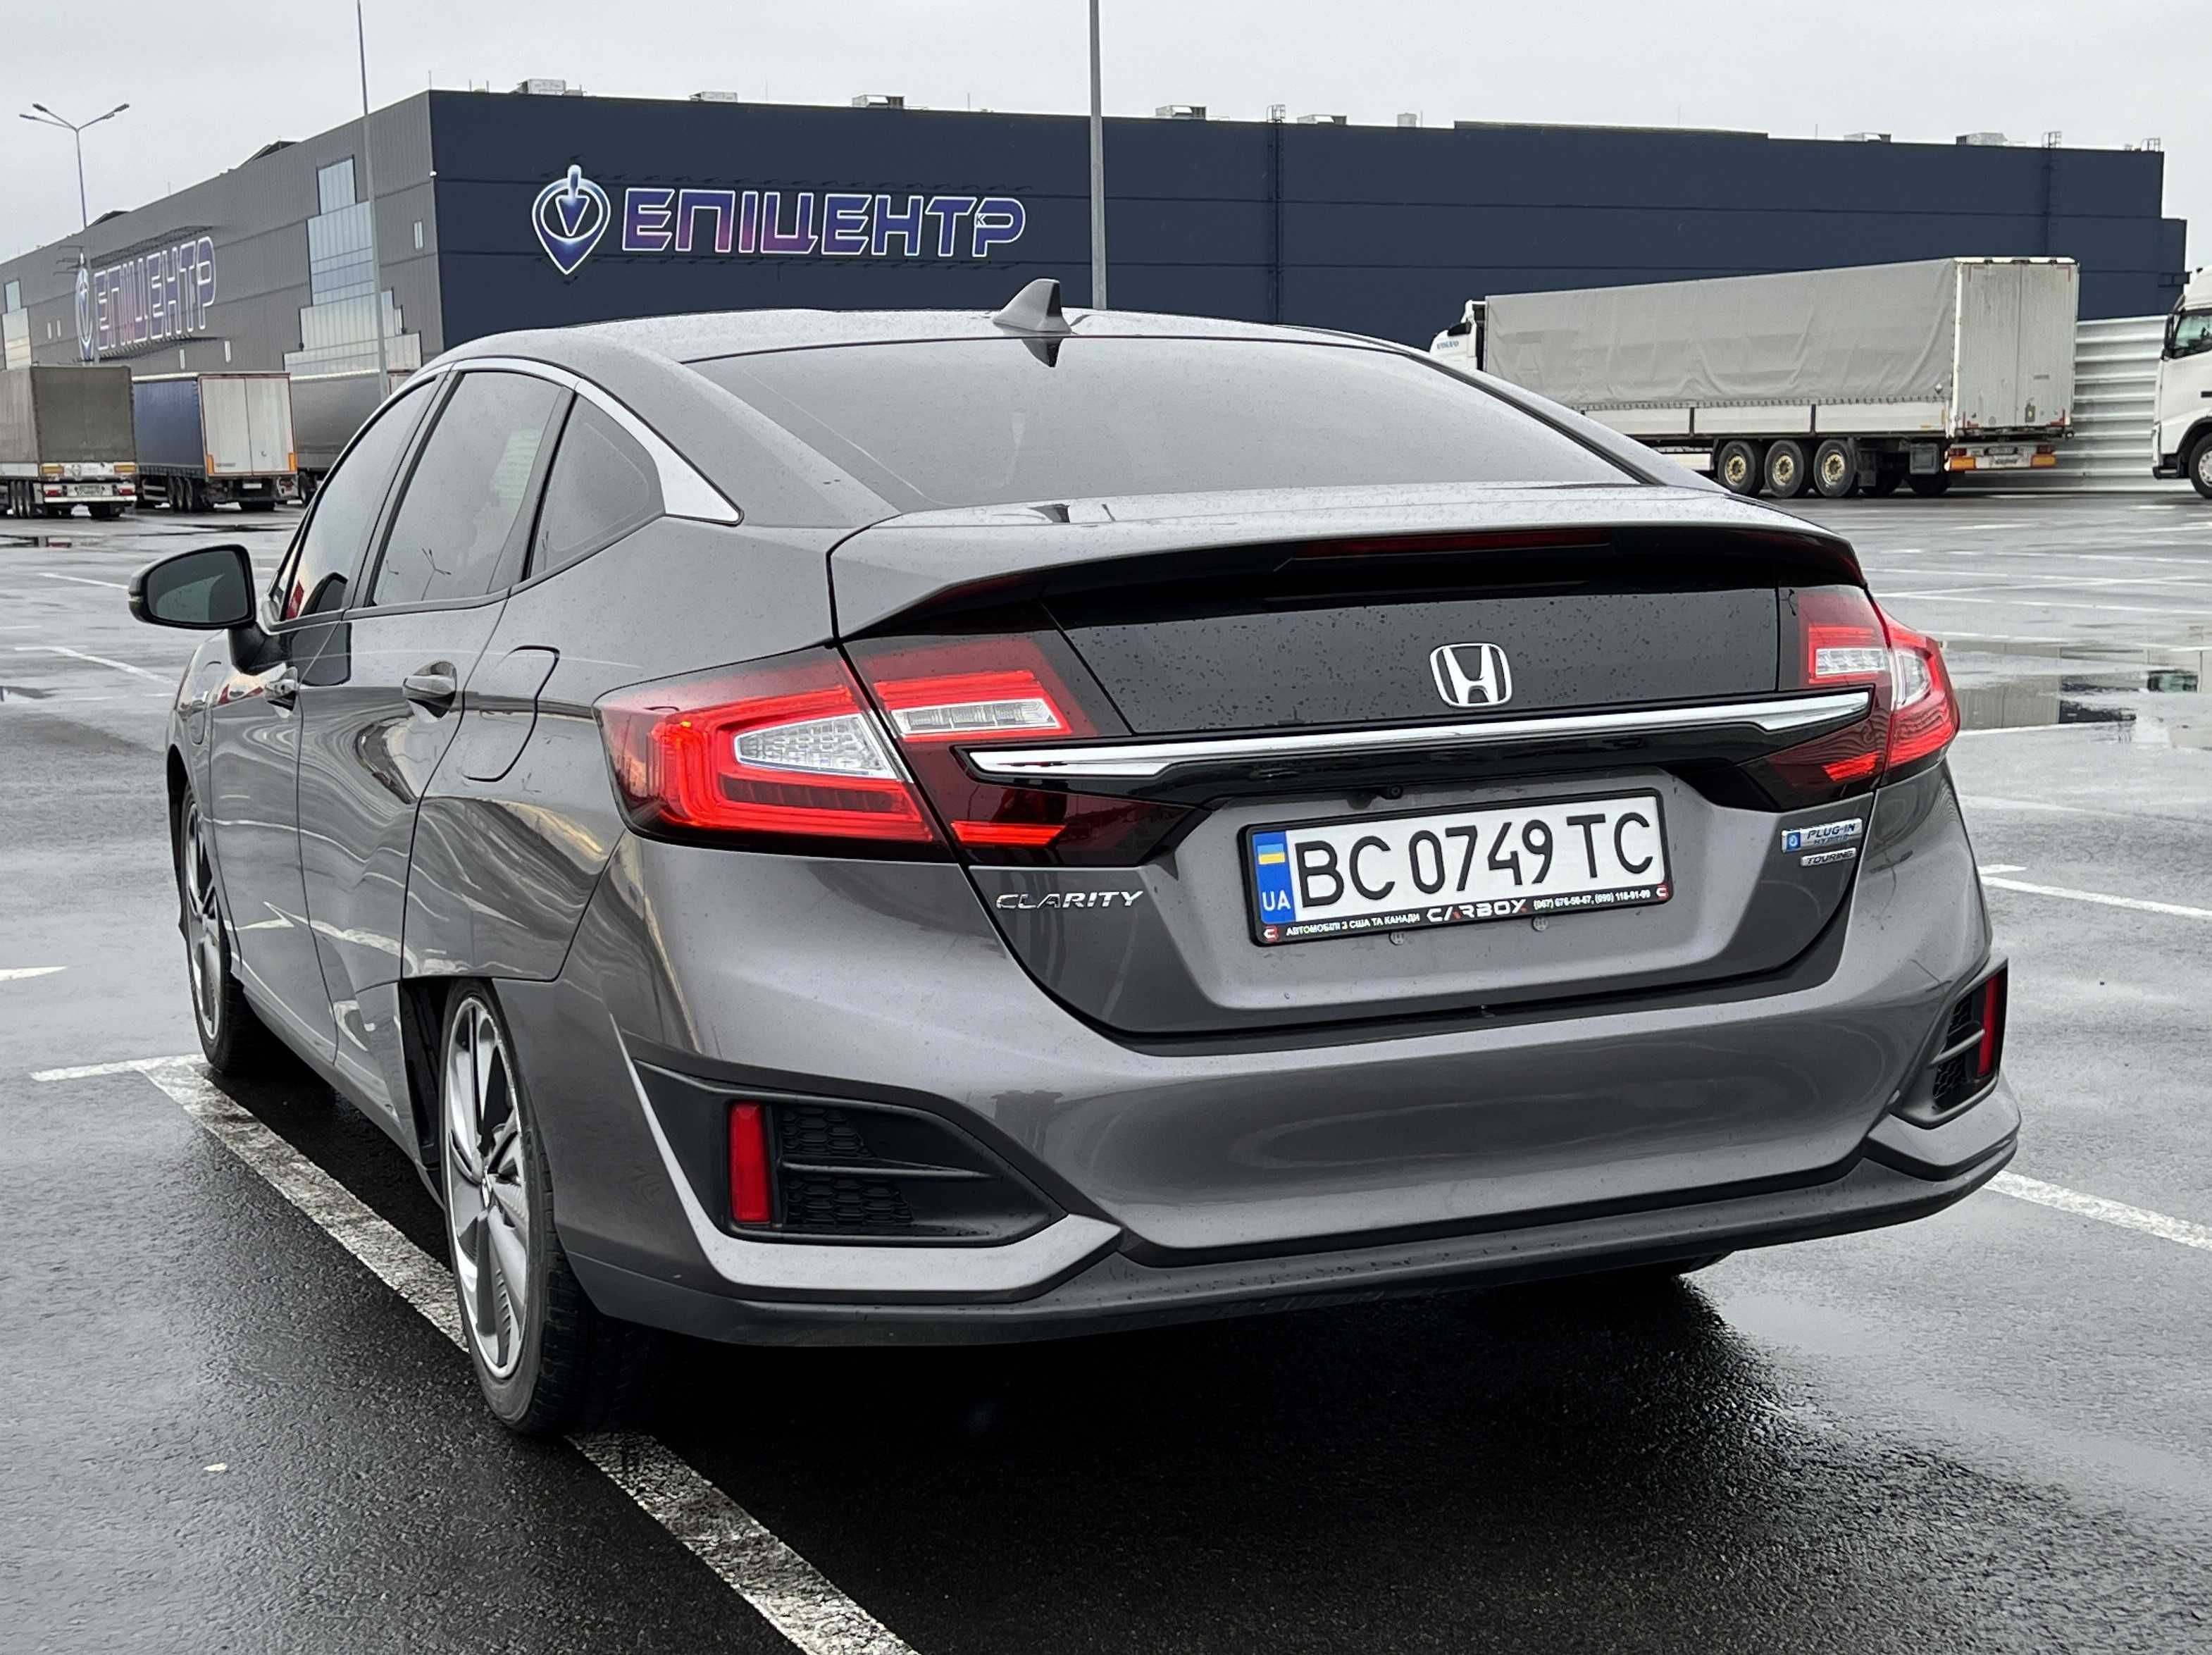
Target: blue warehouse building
{"points": [[500, 210]]}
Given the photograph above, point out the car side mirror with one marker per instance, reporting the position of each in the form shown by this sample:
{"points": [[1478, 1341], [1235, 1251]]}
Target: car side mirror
{"points": [[208, 589]]}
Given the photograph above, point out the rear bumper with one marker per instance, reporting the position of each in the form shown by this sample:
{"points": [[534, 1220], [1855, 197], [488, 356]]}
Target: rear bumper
{"points": [[1112, 1292], [1191, 1179]]}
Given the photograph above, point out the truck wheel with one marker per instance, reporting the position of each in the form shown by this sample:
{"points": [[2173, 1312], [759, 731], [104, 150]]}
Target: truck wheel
{"points": [[1887, 480], [1736, 467], [107, 513], [1787, 474], [1928, 485], [2200, 465], [1836, 469], [257, 505]]}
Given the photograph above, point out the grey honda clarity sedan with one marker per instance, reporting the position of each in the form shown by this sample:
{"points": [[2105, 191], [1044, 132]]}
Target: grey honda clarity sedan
{"points": [[943, 827]]}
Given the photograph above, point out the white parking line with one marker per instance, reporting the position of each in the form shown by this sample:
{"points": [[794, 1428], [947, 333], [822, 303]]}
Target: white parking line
{"points": [[81, 579], [79, 654], [2139, 904], [87, 1071], [2104, 1212], [786, 1589], [17, 973]]}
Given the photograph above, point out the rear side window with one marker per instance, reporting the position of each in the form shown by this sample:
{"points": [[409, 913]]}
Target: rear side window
{"points": [[316, 575], [462, 504], [603, 484], [992, 422]]}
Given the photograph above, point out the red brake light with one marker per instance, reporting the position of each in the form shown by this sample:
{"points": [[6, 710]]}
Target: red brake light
{"points": [[749, 1200], [776, 754], [1834, 637], [943, 696], [1924, 709]]}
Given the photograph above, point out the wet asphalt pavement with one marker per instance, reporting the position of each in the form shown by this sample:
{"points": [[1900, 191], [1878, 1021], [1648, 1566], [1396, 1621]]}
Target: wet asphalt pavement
{"points": [[1989, 1430]]}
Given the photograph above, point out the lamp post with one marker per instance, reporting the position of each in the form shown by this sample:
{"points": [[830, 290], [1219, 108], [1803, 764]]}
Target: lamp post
{"points": [[1098, 175], [369, 186], [45, 117]]}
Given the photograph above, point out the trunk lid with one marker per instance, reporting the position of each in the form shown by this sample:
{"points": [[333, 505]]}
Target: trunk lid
{"points": [[1273, 659]]}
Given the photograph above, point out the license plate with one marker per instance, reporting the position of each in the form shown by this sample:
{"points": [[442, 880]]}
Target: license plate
{"points": [[1343, 879], [92, 490], [2001, 460]]}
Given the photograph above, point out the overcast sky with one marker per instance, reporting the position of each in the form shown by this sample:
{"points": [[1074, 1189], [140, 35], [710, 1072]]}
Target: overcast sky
{"points": [[206, 93]]}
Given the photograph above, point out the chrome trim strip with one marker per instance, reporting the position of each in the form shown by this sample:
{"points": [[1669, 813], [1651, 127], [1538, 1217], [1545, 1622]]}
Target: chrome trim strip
{"points": [[683, 492], [1140, 759]]}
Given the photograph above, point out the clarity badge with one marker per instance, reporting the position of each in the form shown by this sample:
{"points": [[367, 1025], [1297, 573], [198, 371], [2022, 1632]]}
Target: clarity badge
{"points": [[571, 215], [1822, 835]]}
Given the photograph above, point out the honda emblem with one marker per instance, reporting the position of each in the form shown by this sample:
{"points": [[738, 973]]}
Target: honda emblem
{"points": [[1472, 674]]}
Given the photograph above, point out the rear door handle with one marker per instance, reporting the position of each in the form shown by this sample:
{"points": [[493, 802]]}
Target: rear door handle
{"points": [[432, 688], [283, 690]]}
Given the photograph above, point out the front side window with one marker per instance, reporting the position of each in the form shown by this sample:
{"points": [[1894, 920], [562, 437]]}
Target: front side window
{"points": [[602, 485], [315, 574], [461, 505], [991, 421], [2189, 334]]}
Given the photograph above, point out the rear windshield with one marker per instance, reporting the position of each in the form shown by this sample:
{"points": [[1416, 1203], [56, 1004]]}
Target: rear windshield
{"points": [[988, 422]]}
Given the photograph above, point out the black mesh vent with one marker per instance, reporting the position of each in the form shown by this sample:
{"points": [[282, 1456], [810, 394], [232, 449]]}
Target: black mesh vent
{"points": [[836, 1203], [816, 1132]]}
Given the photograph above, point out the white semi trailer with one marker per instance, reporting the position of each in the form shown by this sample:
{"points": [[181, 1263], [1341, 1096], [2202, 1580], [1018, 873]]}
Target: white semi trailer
{"points": [[2181, 439], [1832, 380]]}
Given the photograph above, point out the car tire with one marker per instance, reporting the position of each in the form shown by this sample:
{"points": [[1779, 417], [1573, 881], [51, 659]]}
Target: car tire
{"points": [[2200, 465], [1836, 469], [1928, 485], [1787, 474], [1737, 467], [545, 1358], [233, 1037]]}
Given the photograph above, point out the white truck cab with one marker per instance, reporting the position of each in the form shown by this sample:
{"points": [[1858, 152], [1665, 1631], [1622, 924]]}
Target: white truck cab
{"points": [[2181, 444]]}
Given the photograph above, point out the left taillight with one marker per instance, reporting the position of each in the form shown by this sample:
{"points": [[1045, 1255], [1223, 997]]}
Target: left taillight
{"points": [[783, 754], [943, 697]]}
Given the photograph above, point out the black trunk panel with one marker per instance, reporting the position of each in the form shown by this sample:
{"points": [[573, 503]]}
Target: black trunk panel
{"points": [[1357, 662]]}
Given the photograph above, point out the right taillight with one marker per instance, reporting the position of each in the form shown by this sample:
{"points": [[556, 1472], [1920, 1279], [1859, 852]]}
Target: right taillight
{"points": [[1835, 638]]}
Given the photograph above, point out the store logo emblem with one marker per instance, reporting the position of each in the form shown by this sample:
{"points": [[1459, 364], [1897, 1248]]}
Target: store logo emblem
{"points": [[571, 215], [86, 347]]}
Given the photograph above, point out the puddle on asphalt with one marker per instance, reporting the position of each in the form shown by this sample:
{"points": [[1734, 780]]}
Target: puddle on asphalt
{"points": [[23, 693], [2028, 701], [32, 540]]}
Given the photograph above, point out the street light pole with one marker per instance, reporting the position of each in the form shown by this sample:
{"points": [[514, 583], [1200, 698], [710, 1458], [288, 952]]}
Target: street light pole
{"points": [[45, 117], [368, 185], [1098, 175]]}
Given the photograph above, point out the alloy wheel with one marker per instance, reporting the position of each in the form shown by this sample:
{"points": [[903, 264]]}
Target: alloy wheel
{"points": [[203, 926], [487, 1189]]}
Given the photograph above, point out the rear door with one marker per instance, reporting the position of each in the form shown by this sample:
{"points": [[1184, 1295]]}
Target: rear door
{"points": [[268, 423], [378, 715], [255, 720], [223, 425]]}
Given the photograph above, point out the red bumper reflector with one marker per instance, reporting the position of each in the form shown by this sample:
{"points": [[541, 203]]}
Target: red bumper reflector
{"points": [[1993, 1011], [748, 1191]]}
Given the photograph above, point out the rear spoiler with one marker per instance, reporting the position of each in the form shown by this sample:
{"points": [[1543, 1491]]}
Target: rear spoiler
{"points": [[931, 562]]}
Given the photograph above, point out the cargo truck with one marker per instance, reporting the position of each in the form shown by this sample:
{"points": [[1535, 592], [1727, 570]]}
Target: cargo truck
{"points": [[326, 411], [2181, 434], [1830, 381], [208, 439], [66, 441]]}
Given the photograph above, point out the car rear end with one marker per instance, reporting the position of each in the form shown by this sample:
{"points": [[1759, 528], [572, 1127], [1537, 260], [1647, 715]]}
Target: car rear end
{"points": [[1156, 905]]}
